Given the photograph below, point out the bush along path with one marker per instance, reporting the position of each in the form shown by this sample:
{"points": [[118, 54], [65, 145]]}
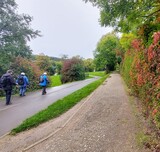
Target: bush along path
{"points": [[102, 122]]}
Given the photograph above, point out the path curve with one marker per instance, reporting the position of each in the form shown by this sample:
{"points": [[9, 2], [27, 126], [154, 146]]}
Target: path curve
{"points": [[103, 122]]}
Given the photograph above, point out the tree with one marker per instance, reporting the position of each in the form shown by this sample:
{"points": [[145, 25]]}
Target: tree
{"points": [[127, 15], [15, 31], [58, 67], [105, 53], [89, 65], [64, 56], [126, 40], [45, 63]]}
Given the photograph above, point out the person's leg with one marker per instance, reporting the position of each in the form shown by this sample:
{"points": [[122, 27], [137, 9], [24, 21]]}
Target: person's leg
{"points": [[23, 91], [20, 90], [8, 96], [43, 90]]}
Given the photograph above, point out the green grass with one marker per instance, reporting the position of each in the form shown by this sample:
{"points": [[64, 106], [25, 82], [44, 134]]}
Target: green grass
{"points": [[59, 107], [55, 81], [99, 73], [142, 138]]}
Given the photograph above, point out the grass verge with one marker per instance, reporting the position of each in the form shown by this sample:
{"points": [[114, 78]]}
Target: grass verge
{"points": [[55, 81], [98, 73], [142, 138], [58, 107]]}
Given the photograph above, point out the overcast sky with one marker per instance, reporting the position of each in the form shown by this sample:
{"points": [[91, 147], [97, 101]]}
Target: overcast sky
{"points": [[68, 27]]}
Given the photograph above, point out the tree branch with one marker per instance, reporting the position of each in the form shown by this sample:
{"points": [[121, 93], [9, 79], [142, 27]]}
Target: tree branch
{"points": [[152, 13]]}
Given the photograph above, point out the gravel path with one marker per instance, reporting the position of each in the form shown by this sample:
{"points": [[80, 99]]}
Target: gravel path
{"points": [[103, 122]]}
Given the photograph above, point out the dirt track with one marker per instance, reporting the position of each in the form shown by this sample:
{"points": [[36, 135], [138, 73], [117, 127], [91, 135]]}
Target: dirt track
{"points": [[103, 122]]}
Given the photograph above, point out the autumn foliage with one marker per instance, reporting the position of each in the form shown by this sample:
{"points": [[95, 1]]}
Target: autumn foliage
{"points": [[31, 70], [144, 75]]}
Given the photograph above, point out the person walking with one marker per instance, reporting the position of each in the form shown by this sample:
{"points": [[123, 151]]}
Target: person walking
{"points": [[7, 82], [23, 82], [44, 82]]}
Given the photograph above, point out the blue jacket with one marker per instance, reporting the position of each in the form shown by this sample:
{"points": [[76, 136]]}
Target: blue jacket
{"points": [[45, 82], [26, 81]]}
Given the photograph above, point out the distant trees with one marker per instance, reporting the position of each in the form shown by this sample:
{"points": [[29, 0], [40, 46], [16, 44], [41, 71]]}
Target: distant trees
{"points": [[89, 65], [105, 53], [58, 67]]}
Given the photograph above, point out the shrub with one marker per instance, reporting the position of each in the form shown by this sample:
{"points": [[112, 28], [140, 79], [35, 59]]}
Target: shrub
{"points": [[141, 70], [72, 70], [31, 70]]}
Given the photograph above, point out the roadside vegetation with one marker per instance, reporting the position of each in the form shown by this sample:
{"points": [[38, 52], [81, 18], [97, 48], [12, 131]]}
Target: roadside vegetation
{"points": [[135, 52], [55, 81], [58, 107], [97, 73], [138, 51]]}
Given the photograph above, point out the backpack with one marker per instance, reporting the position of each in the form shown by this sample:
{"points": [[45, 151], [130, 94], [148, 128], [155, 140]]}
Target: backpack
{"points": [[5, 80], [41, 79], [21, 80]]}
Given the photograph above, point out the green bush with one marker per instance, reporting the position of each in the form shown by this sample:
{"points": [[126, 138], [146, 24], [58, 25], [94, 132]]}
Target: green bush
{"points": [[72, 70]]}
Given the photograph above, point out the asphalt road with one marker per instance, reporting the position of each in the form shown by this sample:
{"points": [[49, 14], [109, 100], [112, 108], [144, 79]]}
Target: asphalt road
{"points": [[24, 107]]}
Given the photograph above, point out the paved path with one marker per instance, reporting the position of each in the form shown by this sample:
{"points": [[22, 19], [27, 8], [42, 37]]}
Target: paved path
{"points": [[23, 107], [103, 122]]}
